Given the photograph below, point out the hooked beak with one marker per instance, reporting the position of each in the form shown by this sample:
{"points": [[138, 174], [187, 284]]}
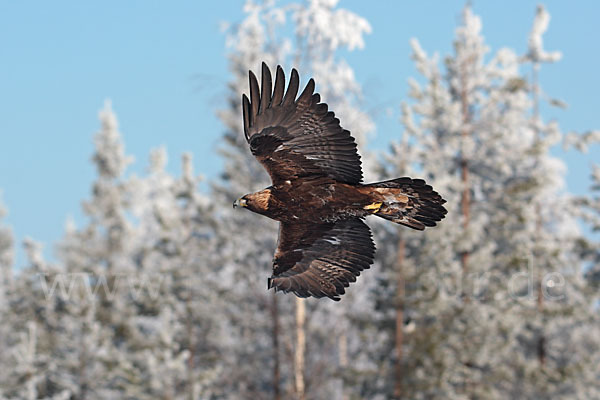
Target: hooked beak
{"points": [[241, 202]]}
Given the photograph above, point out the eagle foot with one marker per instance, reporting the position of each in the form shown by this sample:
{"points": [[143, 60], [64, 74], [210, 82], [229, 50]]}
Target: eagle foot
{"points": [[373, 206]]}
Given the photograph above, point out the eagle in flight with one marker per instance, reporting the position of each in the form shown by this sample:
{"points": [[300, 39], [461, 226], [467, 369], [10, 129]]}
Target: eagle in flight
{"points": [[316, 192]]}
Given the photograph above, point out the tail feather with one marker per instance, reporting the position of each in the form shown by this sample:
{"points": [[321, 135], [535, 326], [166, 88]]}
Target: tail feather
{"points": [[409, 202]]}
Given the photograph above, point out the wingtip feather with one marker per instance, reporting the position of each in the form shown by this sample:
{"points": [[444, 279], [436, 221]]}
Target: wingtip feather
{"points": [[279, 87], [292, 91], [254, 93], [307, 92], [265, 95], [246, 115]]}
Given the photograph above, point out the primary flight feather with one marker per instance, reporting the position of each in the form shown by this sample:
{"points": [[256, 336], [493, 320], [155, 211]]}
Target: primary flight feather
{"points": [[316, 192]]}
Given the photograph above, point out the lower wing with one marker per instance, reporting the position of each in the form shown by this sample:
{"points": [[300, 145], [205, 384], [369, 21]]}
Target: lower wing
{"points": [[321, 259]]}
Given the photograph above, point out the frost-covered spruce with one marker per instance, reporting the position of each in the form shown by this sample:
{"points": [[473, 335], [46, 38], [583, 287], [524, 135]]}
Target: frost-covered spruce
{"points": [[468, 325]]}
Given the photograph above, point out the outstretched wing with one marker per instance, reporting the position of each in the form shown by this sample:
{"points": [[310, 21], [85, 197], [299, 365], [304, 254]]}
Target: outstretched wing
{"points": [[320, 260], [296, 138]]}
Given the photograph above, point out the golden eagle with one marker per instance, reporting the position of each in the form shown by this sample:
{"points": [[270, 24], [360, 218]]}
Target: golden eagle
{"points": [[317, 194]]}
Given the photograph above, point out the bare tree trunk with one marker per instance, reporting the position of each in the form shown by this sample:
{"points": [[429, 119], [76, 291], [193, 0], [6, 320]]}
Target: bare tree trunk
{"points": [[275, 335], [466, 190], [83, 359], [541, 345], [343, 359], [190, 333], [300, 348], [465, 201], [343, 349], [399, 317]]}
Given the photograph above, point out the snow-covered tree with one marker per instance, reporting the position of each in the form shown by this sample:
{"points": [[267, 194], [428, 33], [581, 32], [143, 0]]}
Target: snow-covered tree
{"points": [[469, 323], [6, 265], [31, 340], [147, 253], [177, 243], [95, 260], [6, 250], [588, 206], [591, 214], [6, 260]]}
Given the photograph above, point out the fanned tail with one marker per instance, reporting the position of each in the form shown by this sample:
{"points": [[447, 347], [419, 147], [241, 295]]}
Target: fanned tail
{"points": [[409, 202]]}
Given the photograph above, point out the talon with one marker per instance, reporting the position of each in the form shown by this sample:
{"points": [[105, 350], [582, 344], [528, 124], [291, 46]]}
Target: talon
{"points": [[373, 206]]}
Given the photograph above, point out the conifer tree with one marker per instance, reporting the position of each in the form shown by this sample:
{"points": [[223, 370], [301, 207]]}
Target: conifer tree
{"points": [[474, 141]]}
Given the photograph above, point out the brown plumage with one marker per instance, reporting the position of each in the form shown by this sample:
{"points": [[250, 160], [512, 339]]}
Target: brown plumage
{"points": [[317, 195]]}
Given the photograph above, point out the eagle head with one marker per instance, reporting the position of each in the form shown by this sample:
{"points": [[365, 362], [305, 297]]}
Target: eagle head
{"points": [[257, 202]]}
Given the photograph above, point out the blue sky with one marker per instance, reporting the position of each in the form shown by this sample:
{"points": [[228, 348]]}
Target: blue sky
{"points": [[163, 65]]}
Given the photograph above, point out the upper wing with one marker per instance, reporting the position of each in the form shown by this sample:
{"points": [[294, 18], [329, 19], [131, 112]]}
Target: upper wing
{"points": [[297, 137], [321, 259]]}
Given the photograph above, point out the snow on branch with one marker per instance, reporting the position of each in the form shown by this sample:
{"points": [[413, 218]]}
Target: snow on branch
{"points": [[537, 53]]}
